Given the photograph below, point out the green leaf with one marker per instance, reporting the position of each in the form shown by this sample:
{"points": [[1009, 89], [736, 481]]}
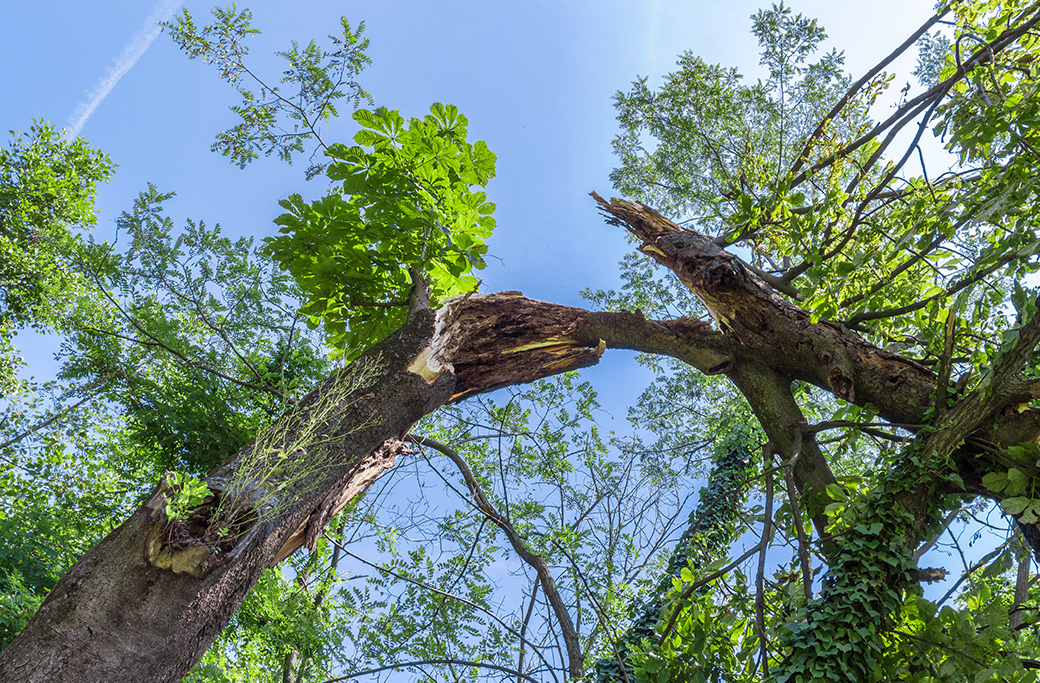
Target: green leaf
{"points": [[1018, 482], [1015, 505], [837, 492], [995, 481], [402, 205]]}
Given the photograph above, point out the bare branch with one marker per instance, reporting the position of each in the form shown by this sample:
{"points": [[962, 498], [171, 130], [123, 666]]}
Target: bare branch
{"points": [[796, 514], [855, 88], [767, 529], [421, 662], [575, 658]]}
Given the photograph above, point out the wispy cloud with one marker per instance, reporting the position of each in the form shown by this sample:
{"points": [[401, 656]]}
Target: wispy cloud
{"points": [[137, 46]]}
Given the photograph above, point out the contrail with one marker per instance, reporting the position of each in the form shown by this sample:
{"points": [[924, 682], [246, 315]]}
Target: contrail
{"points": [[162, 11]]}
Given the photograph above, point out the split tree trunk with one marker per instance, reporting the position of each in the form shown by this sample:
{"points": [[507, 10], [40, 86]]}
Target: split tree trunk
{"points": [[775, 342], [125, 612]]}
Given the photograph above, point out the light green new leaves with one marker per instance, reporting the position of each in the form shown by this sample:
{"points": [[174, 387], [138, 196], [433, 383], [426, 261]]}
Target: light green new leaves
{"points": [[47, 189], [407, 200]]}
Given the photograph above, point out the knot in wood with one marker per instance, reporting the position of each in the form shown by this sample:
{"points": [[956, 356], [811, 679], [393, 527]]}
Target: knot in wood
{"points": [[841, 385], [720, 276]]}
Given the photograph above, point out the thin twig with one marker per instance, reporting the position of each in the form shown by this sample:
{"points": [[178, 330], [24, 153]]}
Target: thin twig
{"points": [[792, 494], [430, 588], [401, 665], [575, 657], [767, 528], [61, 413]]}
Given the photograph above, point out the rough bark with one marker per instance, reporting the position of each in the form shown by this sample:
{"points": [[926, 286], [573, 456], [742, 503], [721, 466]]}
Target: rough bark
{"points": [[117, 616]]}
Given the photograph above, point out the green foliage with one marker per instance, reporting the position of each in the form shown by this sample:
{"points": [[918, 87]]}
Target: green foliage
{"points": [[281, 622], [684, 652], [307, 95], [705, 138], [18, 602], [710, 642], [198, 339], [177, 350], [47, 190], [933, 643], [406, 207], [187, 493], [1019, 496], [58, 494]]}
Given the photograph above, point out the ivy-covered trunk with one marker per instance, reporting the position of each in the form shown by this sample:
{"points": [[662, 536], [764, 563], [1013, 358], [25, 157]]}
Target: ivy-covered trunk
{"points": [[145, 606], [707, 537], [955, 445]]}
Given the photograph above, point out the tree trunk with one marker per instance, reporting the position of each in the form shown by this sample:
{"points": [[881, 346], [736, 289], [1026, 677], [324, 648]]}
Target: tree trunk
{"points": [[775, 342]]}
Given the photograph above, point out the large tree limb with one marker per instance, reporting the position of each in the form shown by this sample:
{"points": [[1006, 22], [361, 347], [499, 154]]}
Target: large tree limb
{"points": [[772, 335], [472, 344], [770, 397]]}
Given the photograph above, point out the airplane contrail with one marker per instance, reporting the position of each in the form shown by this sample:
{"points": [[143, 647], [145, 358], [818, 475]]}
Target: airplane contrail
{"points": [[162, 11]]}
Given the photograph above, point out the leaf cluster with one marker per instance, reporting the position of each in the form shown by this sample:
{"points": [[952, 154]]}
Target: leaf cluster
{"points": [[406, 210]]}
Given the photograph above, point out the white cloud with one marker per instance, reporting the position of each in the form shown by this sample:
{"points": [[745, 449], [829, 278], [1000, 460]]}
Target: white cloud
{"points": [[137, 46]]}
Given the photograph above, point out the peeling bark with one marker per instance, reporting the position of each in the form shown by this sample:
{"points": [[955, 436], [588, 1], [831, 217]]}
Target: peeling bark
{"points": [[770, 330], [116, 616]]}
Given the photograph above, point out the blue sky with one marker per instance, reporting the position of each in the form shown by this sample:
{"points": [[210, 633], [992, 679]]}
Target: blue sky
{"points": [[535, 80]]}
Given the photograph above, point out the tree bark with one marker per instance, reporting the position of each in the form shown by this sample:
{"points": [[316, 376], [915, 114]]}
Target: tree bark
{"points": [[131, 610]]}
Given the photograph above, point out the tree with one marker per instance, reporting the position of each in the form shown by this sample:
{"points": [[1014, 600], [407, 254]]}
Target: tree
{"points": [[48, 191], [851, 260]]}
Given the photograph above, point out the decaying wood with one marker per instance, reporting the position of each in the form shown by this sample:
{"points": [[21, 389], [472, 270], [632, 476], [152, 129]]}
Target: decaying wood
{"points": [[472, 344], [772, 331], [364, 474]]}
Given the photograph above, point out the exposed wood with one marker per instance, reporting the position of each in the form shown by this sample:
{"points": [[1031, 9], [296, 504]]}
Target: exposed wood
{"points": [[772, 331], [367, 469], [471, 345]]}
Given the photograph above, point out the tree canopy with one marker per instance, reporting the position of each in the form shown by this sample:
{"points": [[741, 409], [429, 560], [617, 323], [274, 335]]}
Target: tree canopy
{"points": [[840, 324]]}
